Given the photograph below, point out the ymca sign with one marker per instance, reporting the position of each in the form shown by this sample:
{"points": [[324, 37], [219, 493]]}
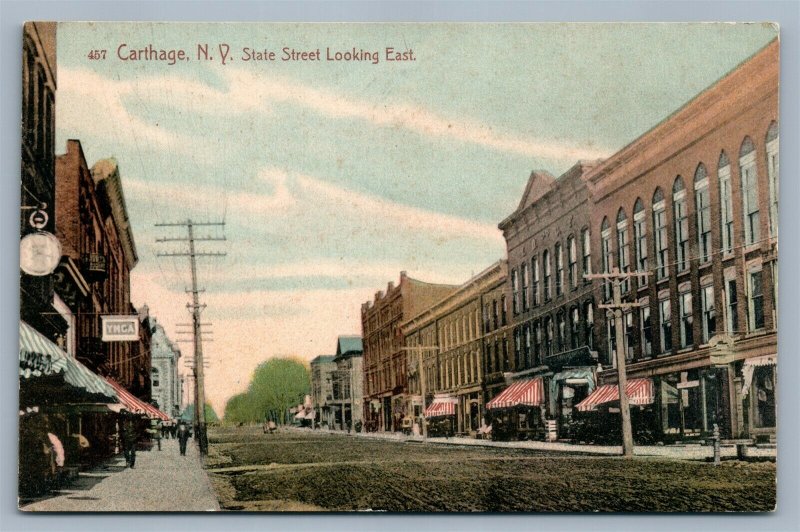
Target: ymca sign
{"points": [[120, 328]]}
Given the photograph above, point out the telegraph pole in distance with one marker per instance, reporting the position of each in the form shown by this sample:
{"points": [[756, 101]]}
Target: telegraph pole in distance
{"points": [[195, 306], [617, 307]]}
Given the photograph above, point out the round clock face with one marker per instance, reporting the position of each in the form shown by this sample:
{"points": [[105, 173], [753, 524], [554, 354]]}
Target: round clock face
{"points": [[39, 253]]}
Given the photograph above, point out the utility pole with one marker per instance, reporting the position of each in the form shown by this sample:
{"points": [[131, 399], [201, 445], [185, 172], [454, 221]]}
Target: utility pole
{"points": [[616, 307], [195, 307], [419, 350]]}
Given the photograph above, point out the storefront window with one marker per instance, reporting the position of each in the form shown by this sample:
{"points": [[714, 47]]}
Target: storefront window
{"points": [[763, 395]]}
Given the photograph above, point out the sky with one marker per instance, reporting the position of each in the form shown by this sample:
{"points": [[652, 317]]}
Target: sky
{"points": [[333, 176]]}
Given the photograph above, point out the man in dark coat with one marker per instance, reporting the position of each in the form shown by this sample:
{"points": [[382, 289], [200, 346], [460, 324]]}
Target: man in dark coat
{"points": [[183, 437], [130, 438]]}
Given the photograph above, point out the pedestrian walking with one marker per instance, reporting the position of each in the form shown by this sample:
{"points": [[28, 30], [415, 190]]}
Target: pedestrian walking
{"points": [[130, 438], [183, 437]]}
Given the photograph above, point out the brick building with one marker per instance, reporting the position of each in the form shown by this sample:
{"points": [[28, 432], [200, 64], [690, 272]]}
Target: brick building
{"points": [[37, 171], [448, 337], [548, 238], [93, 278], [385, 371], [694, 203]]}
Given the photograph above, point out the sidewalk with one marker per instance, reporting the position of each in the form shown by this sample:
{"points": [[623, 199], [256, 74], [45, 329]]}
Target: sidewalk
{"points": [[162, 481], [678, 452]]}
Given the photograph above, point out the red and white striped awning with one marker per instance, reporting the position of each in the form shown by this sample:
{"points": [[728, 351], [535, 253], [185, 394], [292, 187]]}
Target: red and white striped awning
{"points": [[134, 404], [441, 406], [526, 392], [639, 391]]}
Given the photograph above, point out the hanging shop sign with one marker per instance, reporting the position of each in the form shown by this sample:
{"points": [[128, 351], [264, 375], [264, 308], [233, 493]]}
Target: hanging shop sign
{"points": [[120, 328], [39, 253]]}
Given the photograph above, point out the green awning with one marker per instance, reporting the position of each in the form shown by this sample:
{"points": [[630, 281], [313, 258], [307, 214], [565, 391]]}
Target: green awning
{"points": [[39, 357]]}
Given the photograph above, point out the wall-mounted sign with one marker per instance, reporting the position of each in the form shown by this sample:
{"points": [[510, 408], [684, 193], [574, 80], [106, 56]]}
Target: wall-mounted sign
{"points": [[39, 253], [38, 219], [120, 328]]}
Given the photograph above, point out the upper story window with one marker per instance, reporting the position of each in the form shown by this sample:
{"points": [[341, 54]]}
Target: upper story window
{"points": [[607, 255], [622, 247], [725, 203], [537, 338], [575, 327], [665, 319], [535, 285], [515, 291], [572, 261], [640, 239], [547, 274], [548, 331], [687, 320], [702, 202], [562, 331], [527, 348], [660, 234], [709, 313], [588, 311], [525, 283], [646, 325], [587, 252], [681, 224], [155, 377], [747, 169], [755, 301], [503, 310], [772, 173], [559, 270]]}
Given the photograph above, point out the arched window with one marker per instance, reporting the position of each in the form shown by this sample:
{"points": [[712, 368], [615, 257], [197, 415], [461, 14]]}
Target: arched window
{"points": [[725, 202], [702, 205], [535, 284], [681, 223], [640, 239], [572, 261], [607, 255], [547, 274], [772, 173], [747, 170], [660, 234], [623, 261]]}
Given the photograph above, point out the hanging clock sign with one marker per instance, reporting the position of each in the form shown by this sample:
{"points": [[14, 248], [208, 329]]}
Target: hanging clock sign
{"points": [[39, 253]]}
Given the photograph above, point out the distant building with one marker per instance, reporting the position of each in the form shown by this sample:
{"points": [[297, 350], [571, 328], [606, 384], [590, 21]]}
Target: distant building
{"points": [[323, 369], [385, 370], [164, 378], [450, 338], [348, 378]]}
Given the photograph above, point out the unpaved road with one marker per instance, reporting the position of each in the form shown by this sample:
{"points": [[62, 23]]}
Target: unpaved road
{"points": [[307, 471]]}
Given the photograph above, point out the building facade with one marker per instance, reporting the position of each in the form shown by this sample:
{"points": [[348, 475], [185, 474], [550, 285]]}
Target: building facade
{"points": [[552, 304], [446, 346], [37, 307], [693, 203], [323, 369], [385, 371], [348, 390], [93, 278], [164, 364]]}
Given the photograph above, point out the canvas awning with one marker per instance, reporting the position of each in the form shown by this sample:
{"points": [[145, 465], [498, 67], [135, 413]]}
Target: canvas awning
{"points": [[526, 392], [134, 404], [749, 367], [39, 357], [639, 391], [441, 406]]}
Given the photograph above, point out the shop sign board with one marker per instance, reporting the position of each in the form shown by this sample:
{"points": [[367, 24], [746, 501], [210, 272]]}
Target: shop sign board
{"points": [[120, 328]]}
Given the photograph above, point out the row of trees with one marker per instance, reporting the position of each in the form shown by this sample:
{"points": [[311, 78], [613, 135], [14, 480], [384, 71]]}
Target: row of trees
{"points": [[277, 385]]}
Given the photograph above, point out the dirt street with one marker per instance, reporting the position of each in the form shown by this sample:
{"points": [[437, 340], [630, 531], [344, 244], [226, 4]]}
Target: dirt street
{"points": [[306, 471]]}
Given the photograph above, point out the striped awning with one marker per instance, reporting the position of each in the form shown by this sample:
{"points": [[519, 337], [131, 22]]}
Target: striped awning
{"points": [[526, 392], [639, 391], [134, 404], [441, 406], [39, 357]]}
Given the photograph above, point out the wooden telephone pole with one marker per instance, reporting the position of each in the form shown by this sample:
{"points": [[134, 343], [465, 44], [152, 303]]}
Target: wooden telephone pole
{"points": [[195, 307], [617, 307]]}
